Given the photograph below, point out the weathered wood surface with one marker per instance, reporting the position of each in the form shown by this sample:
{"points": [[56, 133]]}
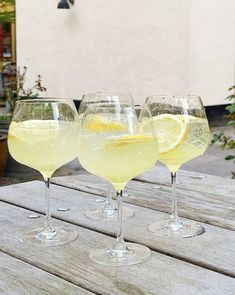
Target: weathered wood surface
{"points": [[160, 275], [213, 250], [192, 181], [203, 206], [20, 278]]}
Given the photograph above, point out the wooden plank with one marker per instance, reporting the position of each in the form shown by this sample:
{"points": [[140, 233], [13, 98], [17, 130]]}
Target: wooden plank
{"points": [[160, 275], [20, 278], [202, 206], [192, 181], [213, 250]]}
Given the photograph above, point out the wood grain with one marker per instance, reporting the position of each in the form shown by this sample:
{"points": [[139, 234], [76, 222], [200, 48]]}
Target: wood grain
{"points": [[213, 250], [207, 207], [192, 181], [20, 278], [161, 275]]}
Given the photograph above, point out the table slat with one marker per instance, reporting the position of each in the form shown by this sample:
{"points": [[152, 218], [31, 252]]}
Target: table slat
{"points": [[213, 250], [193, 181], [161, 275], [20, 278], [202, 206]]}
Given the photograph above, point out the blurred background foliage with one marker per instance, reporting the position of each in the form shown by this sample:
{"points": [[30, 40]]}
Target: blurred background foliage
{"points": [[228, 141], [7, 11]]}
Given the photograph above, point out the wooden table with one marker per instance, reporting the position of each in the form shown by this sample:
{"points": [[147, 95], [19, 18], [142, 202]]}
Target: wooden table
{"points": [[197, 266]]}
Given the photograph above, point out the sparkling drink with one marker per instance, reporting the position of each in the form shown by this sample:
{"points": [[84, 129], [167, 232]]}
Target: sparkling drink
{"points": [[193, 143], [44, 145], [117, 158], [112, 145], [43, 135], [108, 211], [182, 129]]}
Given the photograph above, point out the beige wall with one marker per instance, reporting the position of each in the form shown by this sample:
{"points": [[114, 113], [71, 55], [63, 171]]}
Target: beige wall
{"points": [[140, 46], [212, 49]]}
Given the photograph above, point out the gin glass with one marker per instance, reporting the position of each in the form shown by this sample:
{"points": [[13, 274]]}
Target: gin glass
{"points": [[109, 211], [43, 135], [116, 150], [183, 133]]}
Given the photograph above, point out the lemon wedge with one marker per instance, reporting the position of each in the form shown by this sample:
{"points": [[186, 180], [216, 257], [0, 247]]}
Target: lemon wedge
{"points": [[186, 118], [34, 130], [98, 124], [170, 131], [12, 136], [130, 139]]}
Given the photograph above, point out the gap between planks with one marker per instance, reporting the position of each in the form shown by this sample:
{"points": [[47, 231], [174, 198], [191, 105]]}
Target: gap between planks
{"points": [[35, 273], [100, 231], [146, 201], [79, 248], [49, 272]]}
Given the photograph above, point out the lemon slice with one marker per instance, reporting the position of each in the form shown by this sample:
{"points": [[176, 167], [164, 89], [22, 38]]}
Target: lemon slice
{"points": [[129, 139], [170, 131], [98, 124], [186, 118], [34, 130]]}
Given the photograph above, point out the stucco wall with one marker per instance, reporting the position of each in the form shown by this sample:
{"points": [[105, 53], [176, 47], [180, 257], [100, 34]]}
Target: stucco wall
{"points": [[212, 49], [140, 46]]}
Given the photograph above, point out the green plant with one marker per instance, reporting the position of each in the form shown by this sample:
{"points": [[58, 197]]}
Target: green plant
{"points": [[15, 90], [7, 11], [227, 141]]}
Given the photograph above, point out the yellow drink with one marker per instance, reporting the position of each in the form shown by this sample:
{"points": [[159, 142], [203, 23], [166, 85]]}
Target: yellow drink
{"points": [[193, 143], [117, 158], [44, 145]]}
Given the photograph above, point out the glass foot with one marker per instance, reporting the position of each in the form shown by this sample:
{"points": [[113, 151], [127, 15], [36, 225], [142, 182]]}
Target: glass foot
{"points": [[59, 236], [188, 229], [109, 214], [134, 254]]}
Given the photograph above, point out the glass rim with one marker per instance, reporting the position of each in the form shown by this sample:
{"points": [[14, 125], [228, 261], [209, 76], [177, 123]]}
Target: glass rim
{"points": [[194, 98], [174, 96], [106, 105], [46, 99], [108, 93], [112, 93], [120, 94]]}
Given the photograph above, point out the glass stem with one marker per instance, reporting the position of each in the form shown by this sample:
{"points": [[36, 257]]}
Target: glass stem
{"points": [[119, 248], [109, 204], [174, 220], [48, 227], [120, 238], [109, 197]]}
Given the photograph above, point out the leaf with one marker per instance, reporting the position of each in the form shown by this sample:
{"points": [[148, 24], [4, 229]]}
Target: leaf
{"points": [[231, 108], [231, 123], [217, 137], [230, 157], [7, 11], [231, 144], [230, 97], [231, 88]]}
